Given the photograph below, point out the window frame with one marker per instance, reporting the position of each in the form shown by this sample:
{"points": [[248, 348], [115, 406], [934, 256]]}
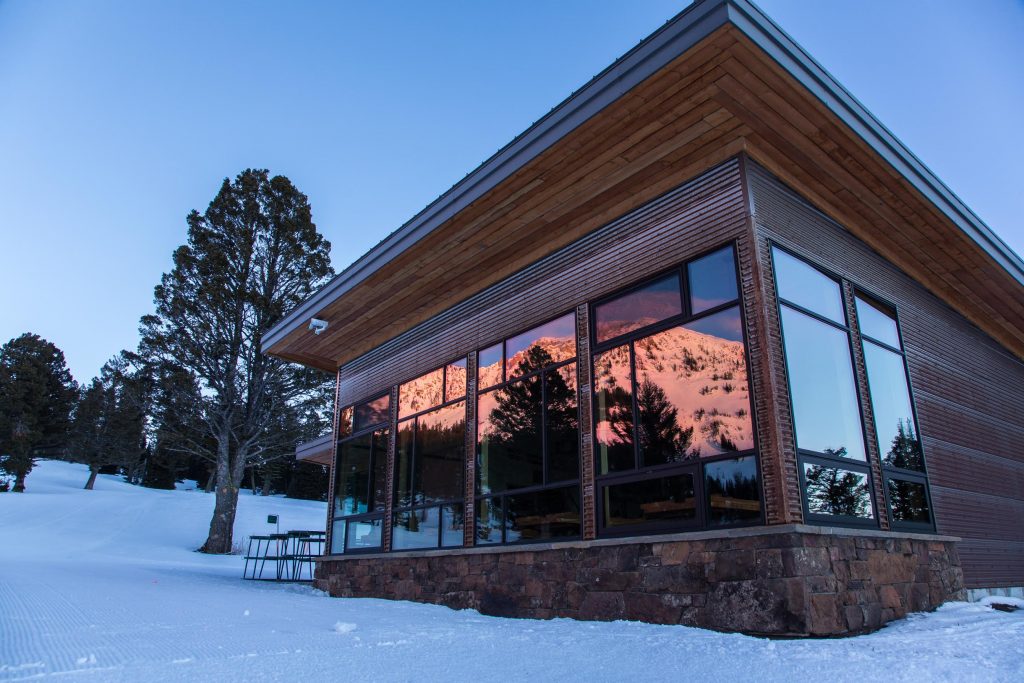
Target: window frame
{"points": [[362, 516], [695, 467], [397, 509], [545, 485], [887, 471]]}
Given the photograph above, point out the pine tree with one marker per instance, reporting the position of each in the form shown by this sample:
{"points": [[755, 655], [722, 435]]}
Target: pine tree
{"points": [[250, 258], [109, 428], [37, 394], [661, 438]]}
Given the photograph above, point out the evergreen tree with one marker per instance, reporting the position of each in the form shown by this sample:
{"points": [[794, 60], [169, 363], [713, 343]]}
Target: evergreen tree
{"points": [[250, 258], [837, 492], [37, 394], [905, 450], [180, 434], [661, 438]]}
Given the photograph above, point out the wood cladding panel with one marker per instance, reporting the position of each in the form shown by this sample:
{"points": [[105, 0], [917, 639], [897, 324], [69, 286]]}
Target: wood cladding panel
{"points": [[968, 389]]}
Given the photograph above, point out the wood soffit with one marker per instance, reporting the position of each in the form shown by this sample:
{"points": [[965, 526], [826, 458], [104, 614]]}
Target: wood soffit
{"points": [[722, 97]]}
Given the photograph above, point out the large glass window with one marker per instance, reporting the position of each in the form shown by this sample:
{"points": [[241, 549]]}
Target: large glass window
{"points": [[527, 433], [360, 487], [429, 467], [828, 417], [671, 393], [893, 410], [823, 392]]}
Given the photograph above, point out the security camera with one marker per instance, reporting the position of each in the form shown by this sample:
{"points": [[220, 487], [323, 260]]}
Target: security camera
{"points": [[317, 325]]}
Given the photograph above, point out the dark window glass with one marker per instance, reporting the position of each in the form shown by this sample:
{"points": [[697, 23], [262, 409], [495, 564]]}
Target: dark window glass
{"points": [[451, 525], [372, 412], [455, 380], [732, 491], [807, 286], [877, 323], [712, 280], [822, 387], [403, 463], [363, 533], [835, 491], [488, 521], [338, 537], [549, 343], [345, 422], [692, 391], [643, 306], [415, 529], [378, 486], [908, 501], [890, 401], [440, 454], [553, 513], [426, 391], [510, 442], [352, 483], [562, 424], [668, 499], [613, 398]]}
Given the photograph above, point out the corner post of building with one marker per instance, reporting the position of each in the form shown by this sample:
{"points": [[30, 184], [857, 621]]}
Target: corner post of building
{"points": [[775, 439], [860, 368], [469, 482], [389, 501], [583, 400], [334, 455]]}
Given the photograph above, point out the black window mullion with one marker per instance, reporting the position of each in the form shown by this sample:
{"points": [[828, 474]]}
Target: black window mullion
{"points": [[635, 406], [544, 427]]}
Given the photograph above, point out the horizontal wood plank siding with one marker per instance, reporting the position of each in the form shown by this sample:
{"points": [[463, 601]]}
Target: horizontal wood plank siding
{"points": [[968, 389], [701, 214]]}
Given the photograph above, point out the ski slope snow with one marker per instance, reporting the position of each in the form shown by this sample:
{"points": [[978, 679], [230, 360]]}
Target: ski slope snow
{"points": [[105, 585]]}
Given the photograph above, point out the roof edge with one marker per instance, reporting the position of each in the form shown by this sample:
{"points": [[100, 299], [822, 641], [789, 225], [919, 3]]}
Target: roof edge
{"points": [[687, 28]]}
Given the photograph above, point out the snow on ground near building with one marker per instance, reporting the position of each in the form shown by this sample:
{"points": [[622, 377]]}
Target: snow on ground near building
{"points": [[104, 586]]}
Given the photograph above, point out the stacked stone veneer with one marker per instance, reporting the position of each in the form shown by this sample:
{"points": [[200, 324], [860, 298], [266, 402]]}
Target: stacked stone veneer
{"points": [[786, 581]]}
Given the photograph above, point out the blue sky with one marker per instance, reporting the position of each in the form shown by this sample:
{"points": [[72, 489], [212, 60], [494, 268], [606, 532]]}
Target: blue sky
{"points": [[117, 118]]}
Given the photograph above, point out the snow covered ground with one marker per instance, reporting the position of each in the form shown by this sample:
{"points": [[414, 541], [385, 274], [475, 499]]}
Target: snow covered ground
{"points": [[104, 586]]}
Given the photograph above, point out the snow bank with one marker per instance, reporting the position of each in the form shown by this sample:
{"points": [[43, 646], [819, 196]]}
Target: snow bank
{"points": [[104, 585]]}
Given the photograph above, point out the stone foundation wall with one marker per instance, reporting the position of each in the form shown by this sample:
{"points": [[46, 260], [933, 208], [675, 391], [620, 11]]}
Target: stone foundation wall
{"points": [[783, 581]]}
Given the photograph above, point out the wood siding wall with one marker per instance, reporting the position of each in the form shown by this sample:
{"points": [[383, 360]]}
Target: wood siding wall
{"points": [[969, 390], [703, 213]]}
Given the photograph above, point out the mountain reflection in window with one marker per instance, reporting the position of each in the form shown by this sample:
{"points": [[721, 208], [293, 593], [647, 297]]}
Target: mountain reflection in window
{"points": [[557, 339], [426, 391], [455, 380], [490, 362], [643, 306], [692, 395], [613, 396], [835, 491], [345, 422], [898, 441], [908, 501]]}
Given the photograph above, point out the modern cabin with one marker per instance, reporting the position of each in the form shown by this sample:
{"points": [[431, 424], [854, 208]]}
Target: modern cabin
{"points": [[704, 345]]}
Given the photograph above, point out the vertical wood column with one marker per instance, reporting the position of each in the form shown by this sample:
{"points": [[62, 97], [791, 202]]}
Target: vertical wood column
{"points": [[860, 368], [333, 465], [776, 441], [583, 400], [389, 500], [469, 483]]}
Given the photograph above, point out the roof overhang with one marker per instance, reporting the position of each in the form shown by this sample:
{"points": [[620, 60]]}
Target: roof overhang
{"points": [[717, 80], [317, 451]]}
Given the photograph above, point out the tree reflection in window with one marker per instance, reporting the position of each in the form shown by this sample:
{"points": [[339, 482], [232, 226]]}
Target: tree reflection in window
{"points": [[512, 423], [908, 501], [835, 491]]}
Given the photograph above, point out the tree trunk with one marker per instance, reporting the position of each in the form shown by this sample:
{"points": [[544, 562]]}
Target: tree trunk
{"points": [[252, 479], [92, 478], [266, 484], [211, 481], [223, 523], [19, 482]]}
